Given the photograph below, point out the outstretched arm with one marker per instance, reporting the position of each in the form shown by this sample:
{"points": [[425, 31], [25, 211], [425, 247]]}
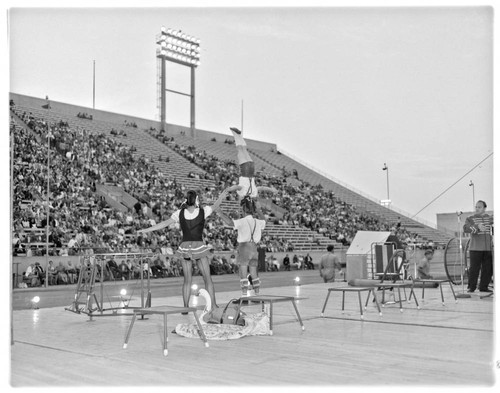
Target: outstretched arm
{"points": [[222, 196], [228, 221], [258, 210], [157, 227]]}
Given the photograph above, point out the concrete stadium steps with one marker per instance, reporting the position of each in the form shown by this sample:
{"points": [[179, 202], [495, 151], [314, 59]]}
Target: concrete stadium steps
{"points": [[224, 151], [299, 237], [360, 202]]}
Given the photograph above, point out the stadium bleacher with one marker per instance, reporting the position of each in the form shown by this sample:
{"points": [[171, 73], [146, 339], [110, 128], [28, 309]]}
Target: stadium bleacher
{"points": [[188, 173]]}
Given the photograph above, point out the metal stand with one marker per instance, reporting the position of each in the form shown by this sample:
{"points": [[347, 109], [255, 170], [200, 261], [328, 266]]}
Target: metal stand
{"points": [[462, 295], [92, 268]]}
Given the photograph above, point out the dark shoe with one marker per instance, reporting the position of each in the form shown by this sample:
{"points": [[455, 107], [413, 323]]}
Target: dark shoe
{"points": [[470, 290], [234, 129], [486, 290]]}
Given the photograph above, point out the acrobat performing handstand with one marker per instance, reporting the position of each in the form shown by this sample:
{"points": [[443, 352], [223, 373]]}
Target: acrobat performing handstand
{"points": [[246, 184], [192, 221]]}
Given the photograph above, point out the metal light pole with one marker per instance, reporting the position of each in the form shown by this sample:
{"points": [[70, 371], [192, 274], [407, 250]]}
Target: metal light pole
{"points": [[386, 168], [462, 295], [49, 135], [471, 184]]}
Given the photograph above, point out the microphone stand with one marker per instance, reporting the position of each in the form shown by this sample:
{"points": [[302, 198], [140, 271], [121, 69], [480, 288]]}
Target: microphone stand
{"points": [[462, 295]]}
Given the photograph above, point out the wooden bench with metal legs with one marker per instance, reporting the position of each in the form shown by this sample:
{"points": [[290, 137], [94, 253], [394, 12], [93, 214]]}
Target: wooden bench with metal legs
{"points": [[165, 310], [370, 290]]}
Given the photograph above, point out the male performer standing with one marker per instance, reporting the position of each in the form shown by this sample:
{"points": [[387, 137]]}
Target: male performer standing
{"points": [[328, 265], [249, 235], [480, 227]]}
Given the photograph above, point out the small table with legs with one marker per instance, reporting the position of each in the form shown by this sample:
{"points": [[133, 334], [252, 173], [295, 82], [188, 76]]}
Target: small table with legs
{"points": [[370, 290], [271, 299], [165, 310]]}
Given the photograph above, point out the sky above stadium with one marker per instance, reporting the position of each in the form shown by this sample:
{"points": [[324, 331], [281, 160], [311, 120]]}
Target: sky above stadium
{"points": [[342, 89]]}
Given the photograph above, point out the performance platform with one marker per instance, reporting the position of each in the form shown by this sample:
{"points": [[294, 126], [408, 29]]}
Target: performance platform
{"points": [[452, 345]]}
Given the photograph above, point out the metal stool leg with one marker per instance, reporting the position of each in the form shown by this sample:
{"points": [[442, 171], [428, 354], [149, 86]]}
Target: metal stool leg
{"points": [[400, 302], [165, 335], [376, 300], [200, 329], [298, 315], [360, 305], [423, 289], [414, 297], [343, 301], [270, 318], [324, 305], [441, 289], [452, 291], [129, 331]]}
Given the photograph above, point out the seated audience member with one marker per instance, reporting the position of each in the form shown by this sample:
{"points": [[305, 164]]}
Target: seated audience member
{"points": [[52, 271], [424, 265], [62, 276], [286, 262], [72, 273]]}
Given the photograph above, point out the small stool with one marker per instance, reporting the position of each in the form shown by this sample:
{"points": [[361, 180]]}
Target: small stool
{"points": [[439, 282], [271, 299], [164, 310], [399, 285], [353, 289]]}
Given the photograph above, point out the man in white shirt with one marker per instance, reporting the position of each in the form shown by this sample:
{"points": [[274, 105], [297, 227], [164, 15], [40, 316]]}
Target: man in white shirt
{"points": [[249, 235]]}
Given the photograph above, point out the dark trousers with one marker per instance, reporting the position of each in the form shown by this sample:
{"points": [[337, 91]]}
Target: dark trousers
{"points": [[480, 260]]}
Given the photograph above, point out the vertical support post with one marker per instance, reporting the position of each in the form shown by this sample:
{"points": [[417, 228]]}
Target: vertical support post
{"points": [[48, 213], [192, 101], [163, 96], [93, 86]]}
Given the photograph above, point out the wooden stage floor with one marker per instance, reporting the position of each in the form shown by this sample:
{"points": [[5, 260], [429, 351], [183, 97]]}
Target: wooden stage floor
{"points": [[436, 345]]}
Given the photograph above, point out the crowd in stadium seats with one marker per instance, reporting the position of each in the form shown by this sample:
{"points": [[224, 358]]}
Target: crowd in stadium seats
{"points": [[80, 219], [81, 222], [307, 205]]}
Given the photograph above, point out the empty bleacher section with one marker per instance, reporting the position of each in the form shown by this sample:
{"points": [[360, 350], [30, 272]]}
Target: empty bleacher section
{"points": [[157, 168]]}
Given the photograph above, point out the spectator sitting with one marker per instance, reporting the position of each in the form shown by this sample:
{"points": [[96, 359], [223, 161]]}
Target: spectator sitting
{"points": [[62, 276], [124, 270], [72, 273], [295, 261], [286, 262], [31, 276], [424, 266], [52, 271]]}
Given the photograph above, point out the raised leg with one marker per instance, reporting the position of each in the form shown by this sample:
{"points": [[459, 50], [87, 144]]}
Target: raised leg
{"points": [[129, 331]]}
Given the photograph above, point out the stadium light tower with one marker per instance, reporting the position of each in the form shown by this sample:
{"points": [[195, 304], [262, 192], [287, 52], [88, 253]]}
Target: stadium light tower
{"points": [[183, 49]]}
